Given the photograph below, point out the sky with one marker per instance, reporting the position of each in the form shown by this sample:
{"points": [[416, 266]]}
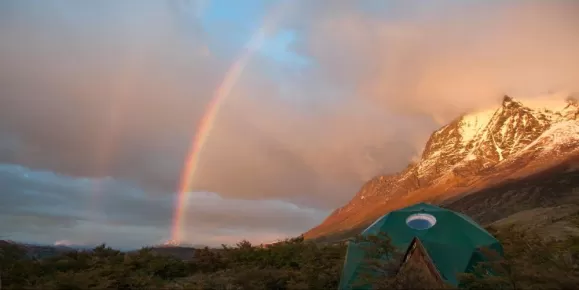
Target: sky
{"points": [[100, 100]]}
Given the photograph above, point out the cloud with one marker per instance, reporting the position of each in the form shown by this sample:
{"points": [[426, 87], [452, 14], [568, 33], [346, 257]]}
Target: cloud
{"points": [[100, 89], [110, 95], [442, 60], [91, 91], [43, 207]]}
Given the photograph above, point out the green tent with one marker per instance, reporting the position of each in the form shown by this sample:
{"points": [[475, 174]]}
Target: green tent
{"points": [[451, 241]]}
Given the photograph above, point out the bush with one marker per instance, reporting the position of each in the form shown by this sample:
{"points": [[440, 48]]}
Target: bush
{"points": [[292, 264], [530, 262]]}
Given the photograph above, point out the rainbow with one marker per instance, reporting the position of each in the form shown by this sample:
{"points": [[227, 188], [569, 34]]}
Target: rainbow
{"points": [[206, 126]]}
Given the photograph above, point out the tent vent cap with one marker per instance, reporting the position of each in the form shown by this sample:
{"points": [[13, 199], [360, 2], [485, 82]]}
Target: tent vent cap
{"points": [[420, 221]]}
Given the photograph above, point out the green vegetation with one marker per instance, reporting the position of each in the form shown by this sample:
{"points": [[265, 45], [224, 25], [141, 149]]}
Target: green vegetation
{"points": [[292, 264], [529, 263]]}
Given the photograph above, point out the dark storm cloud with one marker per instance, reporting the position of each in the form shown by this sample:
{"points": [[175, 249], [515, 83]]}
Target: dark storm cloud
{"points": [[45, 207]]}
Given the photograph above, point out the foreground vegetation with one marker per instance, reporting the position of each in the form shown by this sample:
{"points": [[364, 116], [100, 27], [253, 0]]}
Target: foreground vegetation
{"points": [[530, 263]]}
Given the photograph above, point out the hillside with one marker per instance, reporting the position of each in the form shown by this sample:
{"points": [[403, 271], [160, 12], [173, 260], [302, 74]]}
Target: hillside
{"points": [[516, 157], [39, 251]]}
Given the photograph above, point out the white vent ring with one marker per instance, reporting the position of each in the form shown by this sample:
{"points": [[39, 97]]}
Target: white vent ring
{"points": [[420, 221]]}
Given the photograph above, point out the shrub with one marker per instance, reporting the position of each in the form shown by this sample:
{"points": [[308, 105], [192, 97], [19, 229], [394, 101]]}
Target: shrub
{"points": [[294, 264]]}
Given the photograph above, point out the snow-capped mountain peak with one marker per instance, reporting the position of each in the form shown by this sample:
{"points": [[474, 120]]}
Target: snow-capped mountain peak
{"points": [[491, 136], [509, 137]]}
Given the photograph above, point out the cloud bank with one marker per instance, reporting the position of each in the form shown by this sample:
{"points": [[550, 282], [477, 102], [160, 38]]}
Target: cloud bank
{"points": [[44, 207]]}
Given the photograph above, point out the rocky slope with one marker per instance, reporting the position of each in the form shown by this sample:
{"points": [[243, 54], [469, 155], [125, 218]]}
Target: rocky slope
{"points": [[474, 152]]}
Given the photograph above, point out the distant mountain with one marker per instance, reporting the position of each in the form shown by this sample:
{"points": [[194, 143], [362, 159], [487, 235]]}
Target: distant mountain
{"points": [[473, 153], [40, 251], [46, 251], [172, 244]]}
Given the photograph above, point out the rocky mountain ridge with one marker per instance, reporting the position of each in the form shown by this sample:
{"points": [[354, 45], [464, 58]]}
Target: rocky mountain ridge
{"points": [[472, 152]]}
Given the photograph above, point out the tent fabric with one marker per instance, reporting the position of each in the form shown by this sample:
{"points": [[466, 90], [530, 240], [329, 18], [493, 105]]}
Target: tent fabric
{"points": [[452, 243]]}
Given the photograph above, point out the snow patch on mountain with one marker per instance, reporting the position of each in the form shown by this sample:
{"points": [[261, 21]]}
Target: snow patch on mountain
{"points": [[63, 243], [562, 133], [473, 124]]}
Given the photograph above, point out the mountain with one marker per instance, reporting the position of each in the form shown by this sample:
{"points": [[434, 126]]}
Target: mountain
{"points": [[473, 153], [38, 251]]}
